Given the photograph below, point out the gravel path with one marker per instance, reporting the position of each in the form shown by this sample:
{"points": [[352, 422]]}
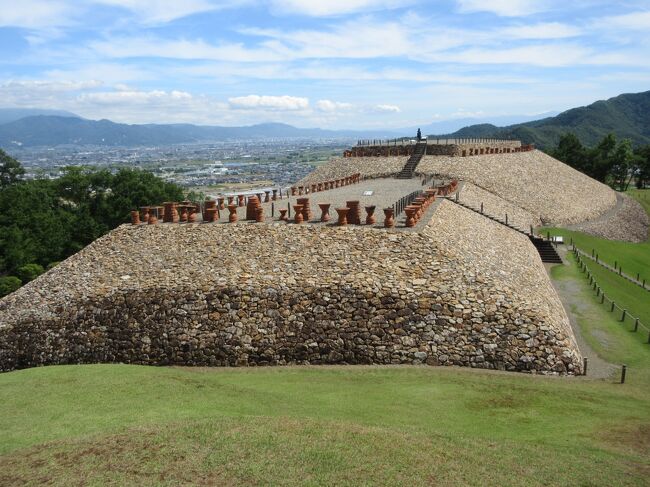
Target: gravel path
{"points": [[626, 221], [570, 294]]}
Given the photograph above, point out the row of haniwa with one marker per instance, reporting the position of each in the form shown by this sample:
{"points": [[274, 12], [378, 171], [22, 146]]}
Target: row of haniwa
{"points": [[187, 211]]}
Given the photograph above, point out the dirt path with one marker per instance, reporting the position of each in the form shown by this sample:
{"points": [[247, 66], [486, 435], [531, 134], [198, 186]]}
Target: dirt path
{"points": [[570, 294]]}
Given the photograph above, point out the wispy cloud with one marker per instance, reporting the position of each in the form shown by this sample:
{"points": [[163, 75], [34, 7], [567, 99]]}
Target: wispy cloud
{"points": [[256, 102]]}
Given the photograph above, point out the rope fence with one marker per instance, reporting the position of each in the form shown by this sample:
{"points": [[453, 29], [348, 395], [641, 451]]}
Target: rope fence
{"points": [[616, 269], [625, 315]]}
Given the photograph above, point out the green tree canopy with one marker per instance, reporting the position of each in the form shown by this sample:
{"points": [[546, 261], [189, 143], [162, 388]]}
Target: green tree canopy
{"points": [[11, 170]]}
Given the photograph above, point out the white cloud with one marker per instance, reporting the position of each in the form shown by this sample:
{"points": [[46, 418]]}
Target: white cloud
{"points": [[324, 8], [635, 21], [332, 106], [550, 30], [388, 108], [280, 103], [33, 14], [134, 96], [49, 86], [546, 56], [161, 11], [505, 8]]}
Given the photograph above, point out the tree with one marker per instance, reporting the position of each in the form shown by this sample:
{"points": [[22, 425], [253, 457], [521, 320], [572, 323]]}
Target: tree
{"points": [[8, 284], [642, 166], [571, 151], [11, 170], [622, 165], [601, 158], [30, 272]]}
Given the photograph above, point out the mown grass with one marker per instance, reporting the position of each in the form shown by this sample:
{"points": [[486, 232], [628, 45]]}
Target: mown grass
{"points": [[132, 425]]}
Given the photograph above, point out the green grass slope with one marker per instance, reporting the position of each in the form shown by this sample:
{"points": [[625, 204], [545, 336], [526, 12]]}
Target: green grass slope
{"points": [[131, 425]]}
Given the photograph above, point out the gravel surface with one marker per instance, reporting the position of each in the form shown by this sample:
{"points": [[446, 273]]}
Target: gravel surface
{"points": [[533, 181], [627, 221]]}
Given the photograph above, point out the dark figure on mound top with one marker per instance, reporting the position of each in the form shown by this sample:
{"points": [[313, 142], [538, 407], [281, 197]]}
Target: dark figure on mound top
{"points": [[419, 136]]}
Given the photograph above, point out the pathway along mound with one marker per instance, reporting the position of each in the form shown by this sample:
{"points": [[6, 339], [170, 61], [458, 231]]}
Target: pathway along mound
{"points": [[267, 294]]}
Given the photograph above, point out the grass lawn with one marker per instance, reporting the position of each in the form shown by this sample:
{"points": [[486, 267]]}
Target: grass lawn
{"points": [[132, 425]]}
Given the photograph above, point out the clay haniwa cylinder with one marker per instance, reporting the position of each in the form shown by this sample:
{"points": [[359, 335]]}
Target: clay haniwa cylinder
{"points": [[192, 210], [267, 197], [300, 190], [343, 213], [240, 200], [232, 218], [183, 217], [389, 217], [410, 216], [231, 199], [210, 215], [145, 214], [220, 203], [171, 213], [370, 215], [275, 195], [293, 191], [259, 214], [297, 210], [135, 217], [153, 219], [325, 212], [283, 215]]}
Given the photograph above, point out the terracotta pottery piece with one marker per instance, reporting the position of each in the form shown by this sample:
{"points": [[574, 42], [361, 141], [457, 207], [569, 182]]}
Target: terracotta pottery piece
{"points": [[313, 188], [343, 213], [410, 216], [251, 207], [320, 187], [283, 215], [183, 213], [259, 214], [145, 213], [267, 196], [293, 191], [354, 215], [275, 195], [325, 212], [232, 218], [153, 219], [241, 200], [170, 214], [135, 218], [231, 199], [389, 217], [306, 208], [192, 210], [210, 215], [370, 215], [298, 218], [220, 203], [300, 190]]}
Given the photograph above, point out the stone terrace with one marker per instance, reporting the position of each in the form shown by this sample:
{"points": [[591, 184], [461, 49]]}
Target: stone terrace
{"points": [[369, 167], [463, 291], [531, 180]]}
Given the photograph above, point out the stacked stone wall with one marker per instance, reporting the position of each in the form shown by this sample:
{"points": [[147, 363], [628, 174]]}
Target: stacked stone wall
{"points": [[531, 180], [263, 294]]}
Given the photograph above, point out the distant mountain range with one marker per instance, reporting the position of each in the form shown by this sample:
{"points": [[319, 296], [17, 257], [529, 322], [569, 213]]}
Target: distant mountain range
{"points": [[12, 114], [449, 126], [627, 116], [51, 130]]}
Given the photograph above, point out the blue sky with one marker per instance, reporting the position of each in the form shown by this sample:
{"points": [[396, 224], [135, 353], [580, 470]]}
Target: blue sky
{"points": [[335, 64]]}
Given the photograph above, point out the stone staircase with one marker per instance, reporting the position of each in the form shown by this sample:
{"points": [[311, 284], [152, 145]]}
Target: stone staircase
{"points": [[409, 168], [544, 247]]}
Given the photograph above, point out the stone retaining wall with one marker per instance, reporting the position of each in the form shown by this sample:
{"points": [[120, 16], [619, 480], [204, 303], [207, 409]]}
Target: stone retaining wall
{"points": [[534, 181], [496, 206], [368, 167], [262, 294]]}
